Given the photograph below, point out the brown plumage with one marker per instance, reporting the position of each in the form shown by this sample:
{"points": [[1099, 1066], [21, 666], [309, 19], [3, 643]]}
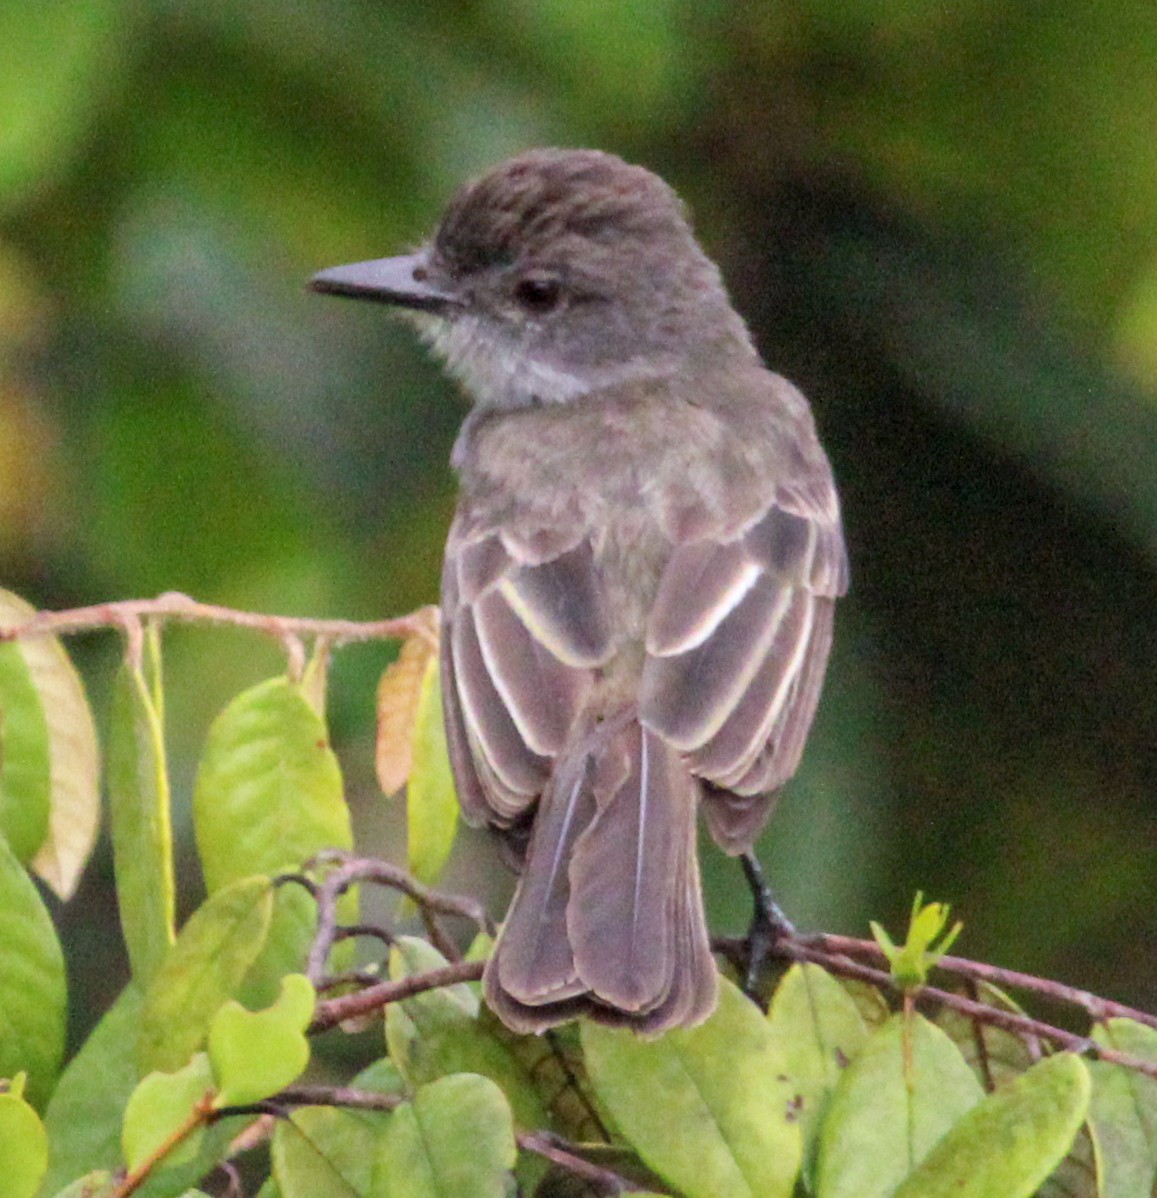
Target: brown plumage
{"points": [[639, 582]]}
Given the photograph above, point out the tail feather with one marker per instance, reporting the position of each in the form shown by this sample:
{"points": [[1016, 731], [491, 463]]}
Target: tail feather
{"points": [[622, 873], [608, 918], [533, 961]]}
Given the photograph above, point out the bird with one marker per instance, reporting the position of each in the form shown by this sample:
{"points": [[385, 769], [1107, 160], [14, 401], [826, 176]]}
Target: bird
{"points": [[639, 580]]}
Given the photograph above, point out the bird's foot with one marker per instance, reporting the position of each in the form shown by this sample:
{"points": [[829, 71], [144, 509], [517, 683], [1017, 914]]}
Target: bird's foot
{"points": [[769, 925]]}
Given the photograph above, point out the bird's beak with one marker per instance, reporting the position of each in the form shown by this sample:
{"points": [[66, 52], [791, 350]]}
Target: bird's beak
{"points": [[404, 281]]}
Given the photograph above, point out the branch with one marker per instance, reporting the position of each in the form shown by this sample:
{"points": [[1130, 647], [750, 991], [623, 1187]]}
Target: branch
{"points": [[832, 953], [835, 953], [344, 870], [200, 1116], [545, 1144], [128, 613], [348, 1006], [1096, 1007], [562, 1153], [335, 1096]]}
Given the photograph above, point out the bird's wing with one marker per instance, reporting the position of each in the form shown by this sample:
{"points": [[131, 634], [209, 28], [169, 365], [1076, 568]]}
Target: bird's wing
{"points": [[524, 626], [737, 643]]}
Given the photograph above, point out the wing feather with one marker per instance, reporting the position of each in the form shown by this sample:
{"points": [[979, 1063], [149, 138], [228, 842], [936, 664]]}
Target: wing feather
{"points": [[519, 633], [478, 566], [542, 695], [687, 698], [561, 602], [738, 642], [493, 732], [471, 793], [719, 575], [730, 752]]}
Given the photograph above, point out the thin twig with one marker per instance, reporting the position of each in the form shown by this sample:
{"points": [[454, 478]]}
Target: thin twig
{"points": [[560, 1152], [1097, 1008], [357, 979], [337, 1010], [369, 931], [834, 953], [542, 1143], [344, 1096], [571, 1083], [200, 1116], [174, 606], [350, 869], [344, 870], [1021, 1025]]}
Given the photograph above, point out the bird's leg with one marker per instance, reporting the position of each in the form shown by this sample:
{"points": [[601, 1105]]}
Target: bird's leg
{"points": [[768, 927]]}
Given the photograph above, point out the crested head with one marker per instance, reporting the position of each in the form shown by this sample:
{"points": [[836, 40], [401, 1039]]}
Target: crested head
{"points": [[554, 205], [576, 271], [556, 274]]}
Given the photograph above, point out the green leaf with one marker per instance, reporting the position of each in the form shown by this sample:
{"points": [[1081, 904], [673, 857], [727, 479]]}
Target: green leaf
{"points": [[906, 1088], [23, 1143], [97, 1184], [929, 938], [707, 1107], [53, 762], [33, 994], [84, 1116], [383, 1077], [205, 967], [320, 1152], [405, 1021], [1007, 1145], [820, 1031], [410, 955], [269, 796], [139, 814], [431, 801], [291, 931], [255, 1054], [164, 1105], [480, 948], [24, 762], [442, 1032], [269, 790], [1123, 1112], [456, 1137], [873, 1008]]}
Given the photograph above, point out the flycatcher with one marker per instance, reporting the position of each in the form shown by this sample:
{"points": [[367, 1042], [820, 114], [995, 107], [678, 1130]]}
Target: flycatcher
{"points": [[640, 578]]}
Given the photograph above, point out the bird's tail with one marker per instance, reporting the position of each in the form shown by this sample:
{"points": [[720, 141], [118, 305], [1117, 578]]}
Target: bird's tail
{"points": [[607, 920]]}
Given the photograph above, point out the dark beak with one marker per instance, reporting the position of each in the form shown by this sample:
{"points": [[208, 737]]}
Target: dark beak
{"points": [[403, 281]]}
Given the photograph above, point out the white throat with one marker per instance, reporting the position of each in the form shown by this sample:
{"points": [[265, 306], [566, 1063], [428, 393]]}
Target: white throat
{"points": [[498, 372]]}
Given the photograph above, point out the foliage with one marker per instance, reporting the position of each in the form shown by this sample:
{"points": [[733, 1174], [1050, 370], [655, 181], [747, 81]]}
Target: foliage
{"points": [[830, 1093], [940, 220]]}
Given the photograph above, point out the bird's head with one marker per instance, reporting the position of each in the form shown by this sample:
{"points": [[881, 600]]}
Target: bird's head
{"points": [[555, 274]]}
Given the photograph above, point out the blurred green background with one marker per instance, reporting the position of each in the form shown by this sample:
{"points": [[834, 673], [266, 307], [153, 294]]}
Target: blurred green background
{"points": [[941, 221]]}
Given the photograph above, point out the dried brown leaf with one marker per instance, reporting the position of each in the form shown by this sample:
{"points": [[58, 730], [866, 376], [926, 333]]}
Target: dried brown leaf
{"points": [[398, 694]]}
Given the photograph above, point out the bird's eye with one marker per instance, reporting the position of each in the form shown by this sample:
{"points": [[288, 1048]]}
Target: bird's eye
{"points": [[538, 293]]}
